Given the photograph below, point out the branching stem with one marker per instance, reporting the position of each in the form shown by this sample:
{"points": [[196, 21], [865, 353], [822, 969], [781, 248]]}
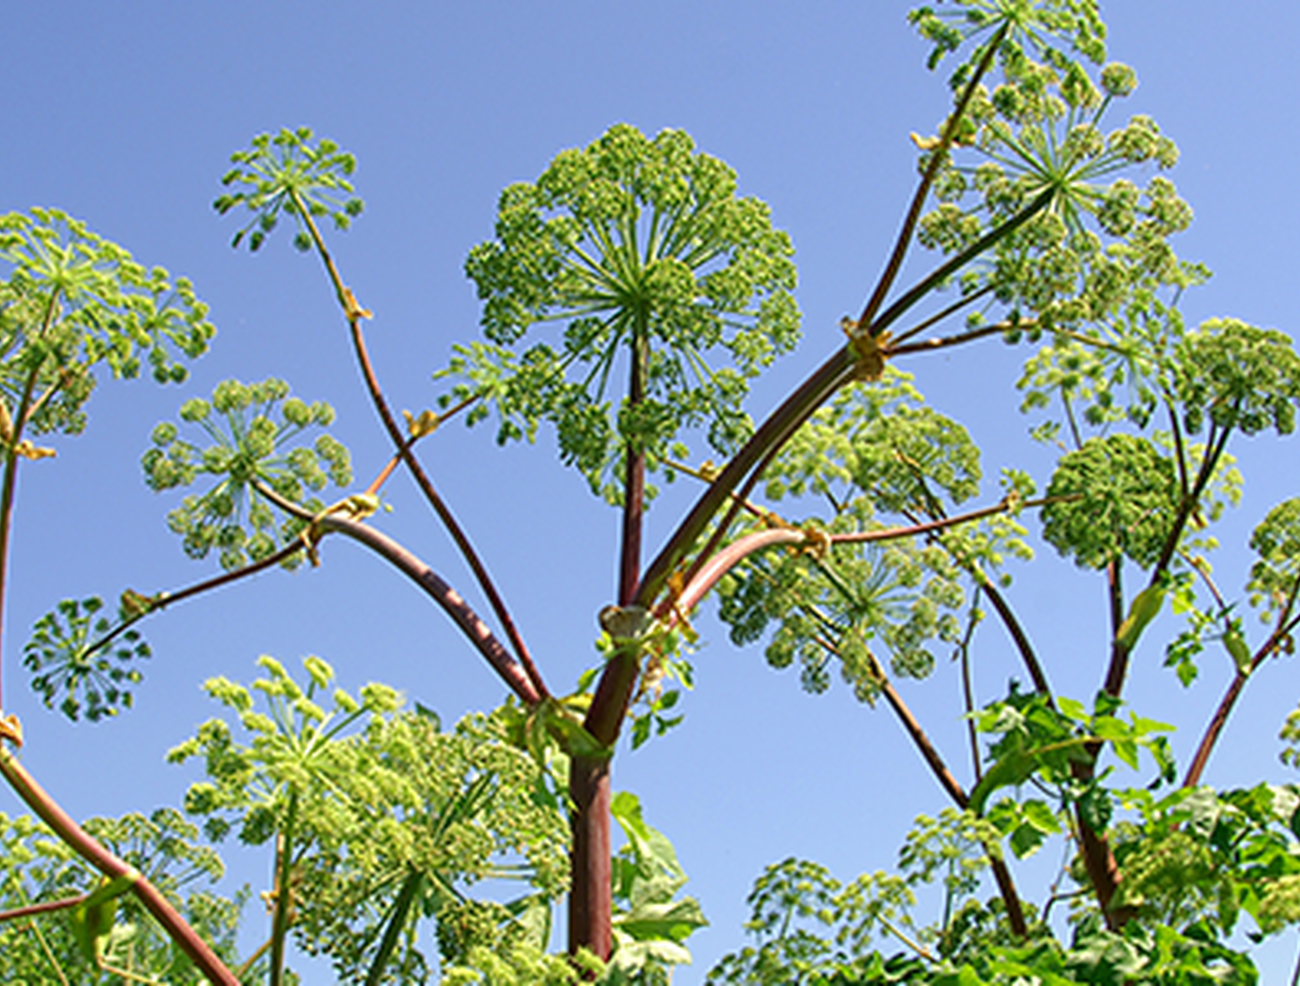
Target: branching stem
{"points": [[76, 838], [932, 167], [354, 315]]}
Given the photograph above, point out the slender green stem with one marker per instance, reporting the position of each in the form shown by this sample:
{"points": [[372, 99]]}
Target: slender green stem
{"points": [[967, 687], [242, 971], [48, 952], [283, 888], [396, 922], [1202, 568], [920, 950]]}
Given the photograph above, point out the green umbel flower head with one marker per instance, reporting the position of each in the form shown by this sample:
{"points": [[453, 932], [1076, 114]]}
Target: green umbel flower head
{"points": [[250, 429], [636, 246]]}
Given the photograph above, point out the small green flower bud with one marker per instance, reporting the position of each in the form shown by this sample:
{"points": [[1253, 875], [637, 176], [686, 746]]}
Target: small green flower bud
{"points": [[296, 412], [195, 410], [1118, 79]]}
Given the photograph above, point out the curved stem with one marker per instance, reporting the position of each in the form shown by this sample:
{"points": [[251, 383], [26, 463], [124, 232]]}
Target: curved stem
{"points": [[796, 408], [462, 614], [164, 599], [1017, 632], [88, 849], [354, 315], [452, 603], [717, 566]]}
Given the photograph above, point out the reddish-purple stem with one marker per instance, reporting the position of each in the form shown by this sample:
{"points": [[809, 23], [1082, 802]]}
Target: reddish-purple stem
{"points": [[633, 487], [63, 903], [88, 849], [1235, 687], [461, 613], [904, 240], [400, 443]]}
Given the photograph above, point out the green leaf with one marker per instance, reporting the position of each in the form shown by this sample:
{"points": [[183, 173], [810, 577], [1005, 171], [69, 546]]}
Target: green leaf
{"points": [[1145, 608], [1238, 649], [92, 920], [1041, 817], [673, 920]]}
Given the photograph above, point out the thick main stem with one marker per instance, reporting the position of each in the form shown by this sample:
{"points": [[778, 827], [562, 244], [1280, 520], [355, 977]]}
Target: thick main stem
{"points": [[591, 893], [591, 897]]}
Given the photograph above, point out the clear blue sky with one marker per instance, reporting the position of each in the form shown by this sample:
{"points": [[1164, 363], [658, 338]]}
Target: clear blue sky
{"points": [[124, 115]]}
